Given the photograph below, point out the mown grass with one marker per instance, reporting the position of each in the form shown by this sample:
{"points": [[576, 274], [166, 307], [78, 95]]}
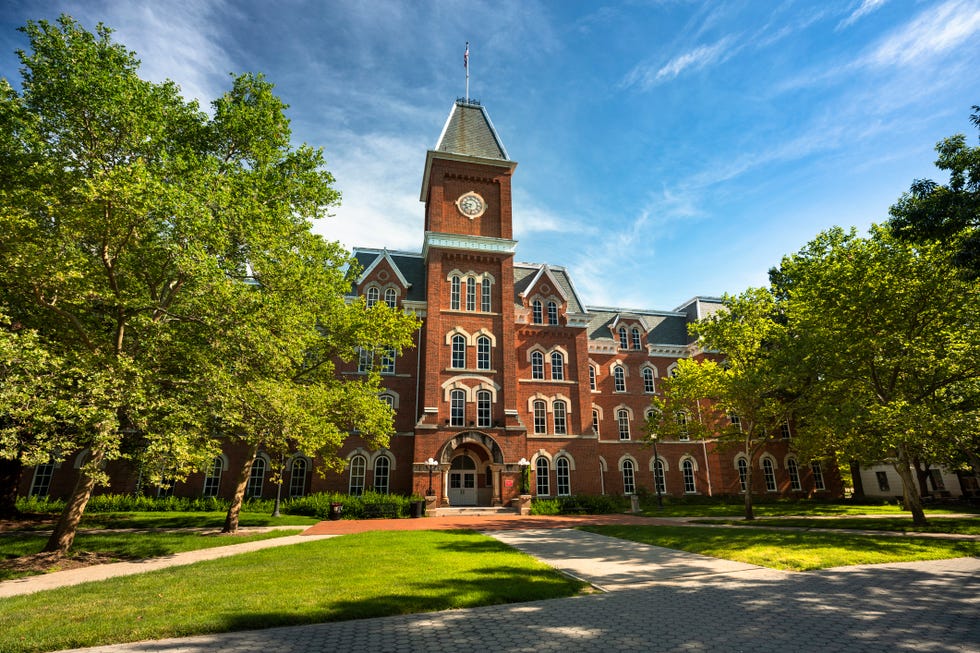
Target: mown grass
{"points": [[721, 508], [938, 524], [179, 520], [350, 577], [792, 550]]}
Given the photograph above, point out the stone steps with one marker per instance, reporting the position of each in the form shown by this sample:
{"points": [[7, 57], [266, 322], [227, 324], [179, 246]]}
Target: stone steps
{"points": [[472, 511]]}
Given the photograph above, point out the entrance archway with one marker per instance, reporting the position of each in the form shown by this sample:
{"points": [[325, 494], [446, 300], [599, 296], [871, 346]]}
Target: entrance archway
{"points": [[462, 481]]}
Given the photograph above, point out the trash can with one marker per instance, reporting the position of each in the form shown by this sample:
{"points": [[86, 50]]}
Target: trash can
{"points": [[335, 510], [416, 509]]}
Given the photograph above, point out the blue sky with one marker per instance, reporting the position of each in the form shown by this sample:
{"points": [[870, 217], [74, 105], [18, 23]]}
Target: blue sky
{"points": [[666, 148]]}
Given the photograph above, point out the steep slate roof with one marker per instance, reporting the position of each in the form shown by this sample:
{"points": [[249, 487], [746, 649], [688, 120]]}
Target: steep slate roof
{"points": [[525, 273], [663, 327], [469, 132], [410, 264]]}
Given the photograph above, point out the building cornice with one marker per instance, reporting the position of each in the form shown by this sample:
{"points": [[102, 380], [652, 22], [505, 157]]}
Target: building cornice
{"points": [[462, 242]]}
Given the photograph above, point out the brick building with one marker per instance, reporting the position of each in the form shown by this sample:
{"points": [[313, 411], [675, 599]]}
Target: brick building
{"points": [[511, 370]]}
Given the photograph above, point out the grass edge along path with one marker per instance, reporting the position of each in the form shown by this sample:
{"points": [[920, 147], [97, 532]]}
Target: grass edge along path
{"points": [[937, 524], [348, 577], [791, 550]]}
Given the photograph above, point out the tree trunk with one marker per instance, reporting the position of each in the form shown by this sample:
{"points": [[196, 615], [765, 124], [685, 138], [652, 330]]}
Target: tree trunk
{"points": [[64, 531], [922, 476], [856, 481], [749, 514], [231, 520], [910, 490], [10, 472]]}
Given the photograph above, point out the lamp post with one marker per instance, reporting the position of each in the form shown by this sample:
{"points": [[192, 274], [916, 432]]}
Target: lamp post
{"points": [[524, 463], [431, 464], [657, 465]]}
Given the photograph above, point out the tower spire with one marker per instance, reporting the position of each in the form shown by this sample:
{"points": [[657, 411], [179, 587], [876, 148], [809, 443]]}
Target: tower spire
{"points": [[466, 65]]}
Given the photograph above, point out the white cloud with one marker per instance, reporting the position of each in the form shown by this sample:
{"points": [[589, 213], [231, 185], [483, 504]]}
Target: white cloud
{"points": [[934, 32], [865, 8], [645, 77]]}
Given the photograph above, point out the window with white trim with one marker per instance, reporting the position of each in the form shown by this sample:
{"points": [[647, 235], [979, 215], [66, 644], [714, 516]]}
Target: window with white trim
{"points": [[365, 360], [659, 478], [623, 420], [454, 293], [784, 431], [212, 478], [391, 298], [540, 416], [297, 478], [459, 351], [483, 405], [769, 474], [536, 315], [486, 300], [624, 342], [41, 483], [388, 360], [557, 366], [629, 477], [592, 379], [687, 469], [542, 474], [794, 474], [471, 294], [735, 421], [256, 479], [388, 399], [595, 421], [382, 469], [636, 338], [457, 408], [619, 377], [537, 365], [648, 386], [553, 313], [483, 353], [563, 477], [817, 475], [743, 474], [373, 294], [682, 431], [358, 467], [559, 413]]}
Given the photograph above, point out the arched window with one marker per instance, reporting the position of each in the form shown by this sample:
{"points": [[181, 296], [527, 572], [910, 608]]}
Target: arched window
{"points": [[682, 431], [592, 379], [372, 296], [595, 421], [212, 478], [486, 300], [391, 297], [784, 431], [561, 423], [794, 475], [818, 483], [544, 485], [537, 365], [382, 468], [619, 376], [41, 482], [459, 351], [471, 294], [735, 421], [687, 468], [297, 478], [536, 316], [624, 342], [636, 338], [457, 401], [388, 399], [483, 353], [659, 480], [256, 479], [563, 477], [540, 417], [743, 474], [629, 478], [358, 465], [388, 360], [648, 380], [769, 474], [454, 284], [552, 313], [557, 366], [623, 419], [483, 413]]}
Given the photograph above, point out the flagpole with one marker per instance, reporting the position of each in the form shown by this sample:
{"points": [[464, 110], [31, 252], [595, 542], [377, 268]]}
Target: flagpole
{"points": [[466, 65]]}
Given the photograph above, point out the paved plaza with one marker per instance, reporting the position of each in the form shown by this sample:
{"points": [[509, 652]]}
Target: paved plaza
{"points": [[656, 599]]}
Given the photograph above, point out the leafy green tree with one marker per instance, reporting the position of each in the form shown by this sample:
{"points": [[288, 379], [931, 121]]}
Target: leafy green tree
{"points": [[159, 255], [946, 212], [885, 342]]}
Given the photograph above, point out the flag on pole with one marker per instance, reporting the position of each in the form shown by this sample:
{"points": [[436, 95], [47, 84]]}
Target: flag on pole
{"points": [[466, 57]]}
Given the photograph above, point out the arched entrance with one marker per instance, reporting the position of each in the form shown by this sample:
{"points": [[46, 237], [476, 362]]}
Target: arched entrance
{"points": [[462, 481], [471, 464]]}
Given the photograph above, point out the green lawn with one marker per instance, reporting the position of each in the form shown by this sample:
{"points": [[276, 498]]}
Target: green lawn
{"points": [[350, 577], [181, 520], [937, 524], [783, 508], [791, 550]]}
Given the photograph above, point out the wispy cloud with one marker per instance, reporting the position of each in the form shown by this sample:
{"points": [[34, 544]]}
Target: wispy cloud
{"points": [[934, 32], [648, 75], [863, 9]]}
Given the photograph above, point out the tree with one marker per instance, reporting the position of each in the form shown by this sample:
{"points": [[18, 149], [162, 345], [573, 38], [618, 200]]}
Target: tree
{"points": [[159, 255], [744, 383], [885, 343], [946, 212]]}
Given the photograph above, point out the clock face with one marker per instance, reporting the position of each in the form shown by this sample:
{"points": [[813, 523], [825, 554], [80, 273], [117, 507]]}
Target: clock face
{"points": [[471, 205]]}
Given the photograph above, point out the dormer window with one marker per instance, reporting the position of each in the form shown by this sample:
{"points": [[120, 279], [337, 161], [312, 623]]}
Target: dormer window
{"points": [[391, 297], [373, 294], [636, 338], [536, 316], [553, 313], [624, 342]]}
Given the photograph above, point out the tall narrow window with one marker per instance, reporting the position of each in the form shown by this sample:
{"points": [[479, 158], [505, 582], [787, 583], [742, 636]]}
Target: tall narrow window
{"points": [[297, 478], [743, 474], [557, 366], [559, 411], [687, 468], [486, 300], [769, 473], [595, 421], [682, 431], [483, 404], [817, 475], [784, 431], [592, 379], [459, 351], [483, 353], [457, 404], [537, 365], [536, 315], [372, 296], [563, 477], [471, 294], [624, 342], [358, 465], [659, 480], [256, 479], [648, 380], [212, 478], [454, 293], [540, 415], [544, 485], [794, 475], [623, 419], [388, 360], [619, 377], [365, 360], [382, 468], [553, 313], [391, 297], [41, 482], [735, 421], [629, 478], [636, 338]]}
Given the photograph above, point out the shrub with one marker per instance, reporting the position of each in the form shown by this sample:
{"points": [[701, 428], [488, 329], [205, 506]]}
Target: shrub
{"points": [[545, 506], [38, 505]]}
